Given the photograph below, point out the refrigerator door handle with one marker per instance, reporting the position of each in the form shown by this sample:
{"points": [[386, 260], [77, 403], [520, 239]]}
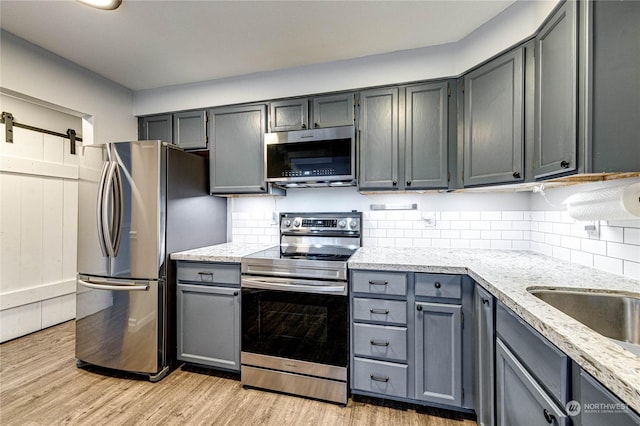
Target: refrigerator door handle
{"points": [[99, 206], [119, 202], [130, 286], [108, 212]]}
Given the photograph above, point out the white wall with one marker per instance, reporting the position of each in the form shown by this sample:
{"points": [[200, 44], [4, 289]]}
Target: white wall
{"points": [[514, 24], [37, 75]]}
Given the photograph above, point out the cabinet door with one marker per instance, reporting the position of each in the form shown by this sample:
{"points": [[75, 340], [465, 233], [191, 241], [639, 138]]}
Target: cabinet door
{"points": [[190, 129], [483, 312], [209, 326], [378, 134], [427, 134], [519, 398], [157, 127], [592, 396], [438, 339], [494, 117], [556, 94], [332, 111], [236, 151], [288, 115]]}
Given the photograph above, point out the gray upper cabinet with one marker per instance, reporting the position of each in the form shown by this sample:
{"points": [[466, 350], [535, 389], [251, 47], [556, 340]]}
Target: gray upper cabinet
{"points": [[288, 115], [190, 129], [378, 131], [556, 94], [404, 134], [494, 121], [426, 136], [236, 149], [613, 104], [317, 112], [156, 127]]}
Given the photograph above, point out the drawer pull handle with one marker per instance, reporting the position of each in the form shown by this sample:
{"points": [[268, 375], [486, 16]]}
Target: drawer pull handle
{"points": [[379, 311], [379, 379], [207, 274], [378, 282], [437, 284], [235, 293], [550, 418], [379, 343]]}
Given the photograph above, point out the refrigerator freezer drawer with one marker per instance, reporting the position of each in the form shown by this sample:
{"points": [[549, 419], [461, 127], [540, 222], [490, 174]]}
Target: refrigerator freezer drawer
{"points": [[117, 323]]}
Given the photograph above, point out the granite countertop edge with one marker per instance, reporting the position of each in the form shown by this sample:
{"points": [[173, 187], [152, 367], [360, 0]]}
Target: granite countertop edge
{"points": [[508, 275], [232, 252]]}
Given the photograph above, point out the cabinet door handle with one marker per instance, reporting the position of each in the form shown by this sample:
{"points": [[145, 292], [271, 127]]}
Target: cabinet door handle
{"points": [[395, 183], [550, 418], [485, 301], [408, 183], [378, 282], [564, 164], [304, 126], [379, 379], [516, 175], [379, 343], [235, 293], [419, 308], [437, 284], [316, 125], [379, 311]]}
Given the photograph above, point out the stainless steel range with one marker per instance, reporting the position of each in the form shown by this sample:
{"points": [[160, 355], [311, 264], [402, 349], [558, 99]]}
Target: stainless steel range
{"points": [[295, 309]]}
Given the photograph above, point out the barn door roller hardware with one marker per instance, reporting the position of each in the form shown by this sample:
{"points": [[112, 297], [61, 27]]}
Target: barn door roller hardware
{"points": [[9, 124]]}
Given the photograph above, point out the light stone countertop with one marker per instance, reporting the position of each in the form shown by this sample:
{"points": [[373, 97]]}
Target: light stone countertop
{"points": [[226, 252], [508, 274]]}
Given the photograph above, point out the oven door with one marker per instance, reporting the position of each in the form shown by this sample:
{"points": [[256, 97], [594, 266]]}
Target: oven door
{"points": [[298, 325]]}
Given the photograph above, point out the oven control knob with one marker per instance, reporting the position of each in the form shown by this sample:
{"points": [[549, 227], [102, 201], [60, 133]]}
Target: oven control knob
{"points": [[342, 224], [287, 223], [353, 224], [296, 223]]}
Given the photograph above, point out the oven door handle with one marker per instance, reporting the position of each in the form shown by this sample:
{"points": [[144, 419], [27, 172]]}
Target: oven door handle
{"points": [[300, 286]]}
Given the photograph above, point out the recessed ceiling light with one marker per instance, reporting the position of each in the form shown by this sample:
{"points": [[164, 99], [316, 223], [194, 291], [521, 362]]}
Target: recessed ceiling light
{"points": [[102, 4]]}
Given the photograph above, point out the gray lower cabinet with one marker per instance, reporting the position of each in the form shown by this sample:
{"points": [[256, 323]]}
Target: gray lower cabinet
{"points": [[520, 400], [190, 129], [595, 405], [556, 94], [494, 121], [156, 127], [236, 151], [438, 340], [484, 355], [208, 314]]}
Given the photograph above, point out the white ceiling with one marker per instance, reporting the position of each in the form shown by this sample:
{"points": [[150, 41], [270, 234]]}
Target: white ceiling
{"points": [[147, 44]]}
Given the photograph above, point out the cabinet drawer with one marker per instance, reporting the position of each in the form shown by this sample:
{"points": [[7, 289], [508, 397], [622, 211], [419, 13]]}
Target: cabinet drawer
{"points": [[380, 377], [542, 359], [380, 310], [380, 341], [209, 273], [439, 285], [384, 283]]}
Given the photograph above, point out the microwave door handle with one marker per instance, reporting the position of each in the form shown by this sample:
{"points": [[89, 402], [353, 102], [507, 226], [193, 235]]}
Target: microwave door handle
{"points": [[99, 208], [108, 211]]}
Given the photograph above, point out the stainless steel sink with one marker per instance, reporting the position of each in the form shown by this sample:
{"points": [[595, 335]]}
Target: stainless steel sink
{"points": [[616, 316]]}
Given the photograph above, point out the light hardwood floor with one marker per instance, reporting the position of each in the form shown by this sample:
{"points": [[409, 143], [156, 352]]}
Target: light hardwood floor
{"points": [[41, 385]]}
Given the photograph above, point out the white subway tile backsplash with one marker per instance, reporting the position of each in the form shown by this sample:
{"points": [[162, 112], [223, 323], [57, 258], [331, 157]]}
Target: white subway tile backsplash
{"points": [[561, 253], [537, 216], [443, 224], [512, 235], [480, 244], [521, 225], [470, 234], [545, 227], [469, 215], [521, 245], [490, 215], [500, 244], [623, 251], [378, 232], [561, 228], [441, 243], [447, 233], [501, 224], [460, 244], [570, 242], [552, 216], [404, 242], [395, 233], [611, 233], [512, 215], [582, 258], [461, 224], [608, 264], [552, 239], [450, 215], [479, 224], [631, 270], [431, 233], [593, 246], [491, 235], [422, 242], [632, 236]]}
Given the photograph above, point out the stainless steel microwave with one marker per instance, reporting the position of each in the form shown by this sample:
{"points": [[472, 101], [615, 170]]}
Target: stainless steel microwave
{"points": [[315, 157]]}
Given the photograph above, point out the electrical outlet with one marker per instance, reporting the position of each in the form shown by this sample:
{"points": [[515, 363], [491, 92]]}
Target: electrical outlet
{"points": [[429, 219]]}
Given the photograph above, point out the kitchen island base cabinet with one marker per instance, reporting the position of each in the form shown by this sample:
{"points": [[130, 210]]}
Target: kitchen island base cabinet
{"points": [[208, 315]]}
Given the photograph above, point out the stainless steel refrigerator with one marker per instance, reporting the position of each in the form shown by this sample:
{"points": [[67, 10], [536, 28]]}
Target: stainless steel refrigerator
{"points": [[138, 202]]}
